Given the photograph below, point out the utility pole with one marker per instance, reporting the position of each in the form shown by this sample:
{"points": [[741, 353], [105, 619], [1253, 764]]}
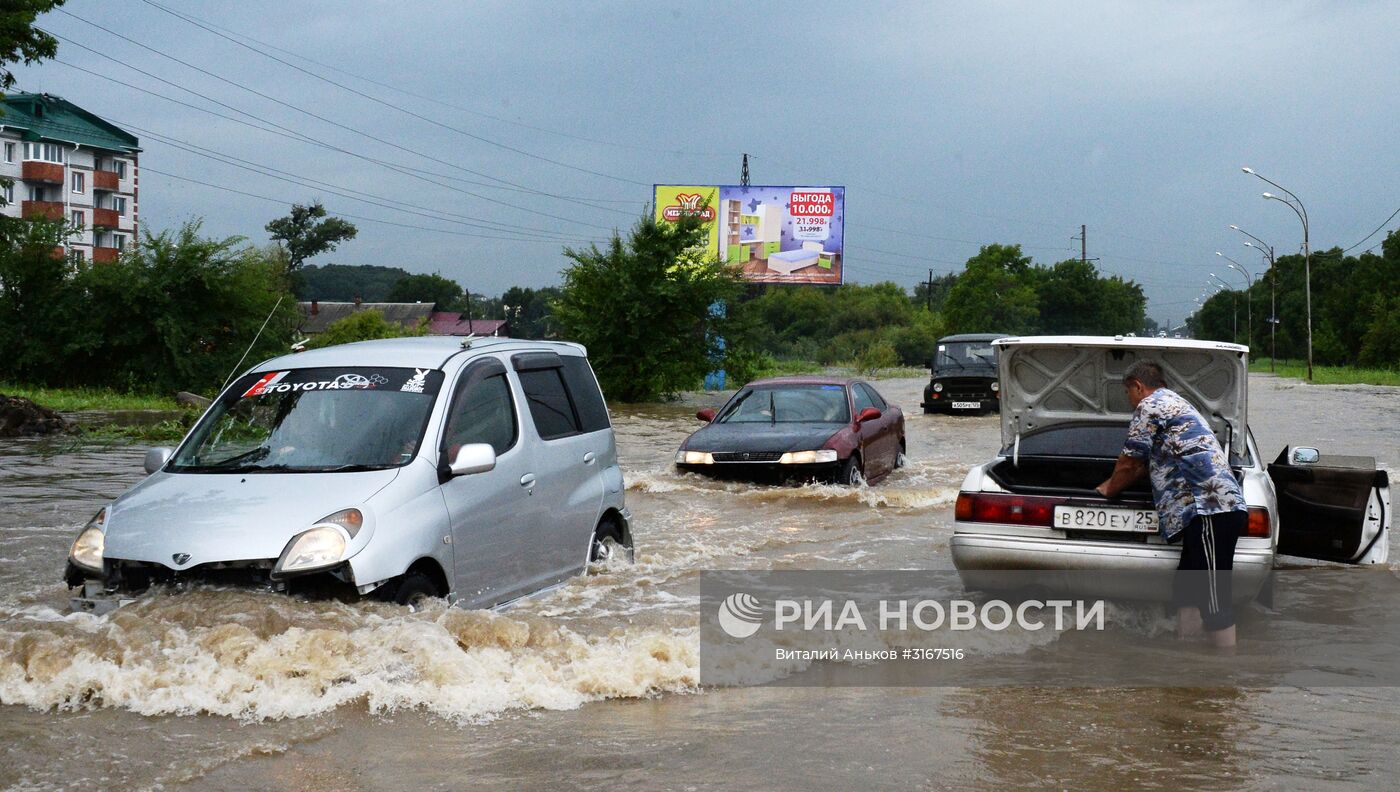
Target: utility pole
{"points": [[1084, 243], [744, 174], [929, 294]]}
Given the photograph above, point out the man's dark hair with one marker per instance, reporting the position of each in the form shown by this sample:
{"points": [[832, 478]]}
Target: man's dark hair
{"points": [[1145, 372]]}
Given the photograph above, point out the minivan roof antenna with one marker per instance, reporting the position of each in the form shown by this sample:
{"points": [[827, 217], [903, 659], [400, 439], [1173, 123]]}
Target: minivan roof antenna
{"points": [[239, 364]]}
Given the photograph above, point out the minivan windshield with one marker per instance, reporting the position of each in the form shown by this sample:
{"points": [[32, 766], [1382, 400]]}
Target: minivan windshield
{"points": [[811, 404], [957, 355], [313, 420]]}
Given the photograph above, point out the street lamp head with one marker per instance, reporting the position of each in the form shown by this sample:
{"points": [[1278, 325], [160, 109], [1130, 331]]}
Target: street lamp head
{"points": [[1249, 244], [1247, 170], [1234, 227], [1270, 195], [1218, 253]]}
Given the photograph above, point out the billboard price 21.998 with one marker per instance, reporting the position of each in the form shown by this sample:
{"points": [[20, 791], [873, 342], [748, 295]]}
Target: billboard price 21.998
{"points": [[776, 234]]}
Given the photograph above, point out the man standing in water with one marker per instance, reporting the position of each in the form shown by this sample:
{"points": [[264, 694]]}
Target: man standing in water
{"points": [[1196, 495]]}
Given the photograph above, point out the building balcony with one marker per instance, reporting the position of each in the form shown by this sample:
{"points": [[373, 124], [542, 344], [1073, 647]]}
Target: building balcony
{"points": [[47, 172], [49, 210], [105, 180], [104, 255], [105, 218]]}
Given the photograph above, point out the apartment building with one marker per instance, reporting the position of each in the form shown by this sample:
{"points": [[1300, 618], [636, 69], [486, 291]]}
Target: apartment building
{"points": [[67, 163]]}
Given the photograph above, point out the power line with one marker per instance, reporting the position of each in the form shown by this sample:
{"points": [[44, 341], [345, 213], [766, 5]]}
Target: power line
{"points": [[323, 119], [435, 100], [362, 218], [379, 101], [1373, 233]]}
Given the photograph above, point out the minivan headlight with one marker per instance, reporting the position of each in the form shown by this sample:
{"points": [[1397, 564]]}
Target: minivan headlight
{"points": [[808, 457], [322, 545], [87, 548]]}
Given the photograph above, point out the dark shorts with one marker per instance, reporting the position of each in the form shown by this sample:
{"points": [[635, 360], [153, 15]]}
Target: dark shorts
{"points": [[1207, 557]]}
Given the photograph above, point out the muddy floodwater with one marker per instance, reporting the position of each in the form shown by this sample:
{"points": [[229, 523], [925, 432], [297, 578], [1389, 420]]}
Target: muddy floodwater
{"points": [[594, 684]]}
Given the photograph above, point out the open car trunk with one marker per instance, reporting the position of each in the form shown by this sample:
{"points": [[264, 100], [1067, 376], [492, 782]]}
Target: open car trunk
{"points": [[1071, 476]]}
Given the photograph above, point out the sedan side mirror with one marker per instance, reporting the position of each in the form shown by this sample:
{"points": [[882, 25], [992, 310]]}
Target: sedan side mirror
{"points": [[707, 415], [1306, 456], [473, 458], [868, 414], [156, 458]]}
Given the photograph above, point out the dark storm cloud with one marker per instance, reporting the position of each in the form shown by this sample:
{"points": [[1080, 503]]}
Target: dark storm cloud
{"points": [[990, 122]]}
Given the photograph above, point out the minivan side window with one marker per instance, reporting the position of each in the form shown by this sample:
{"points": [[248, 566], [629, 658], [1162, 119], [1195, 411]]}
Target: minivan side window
{"points": [[549, 402], [482, 412], [583, 386]]}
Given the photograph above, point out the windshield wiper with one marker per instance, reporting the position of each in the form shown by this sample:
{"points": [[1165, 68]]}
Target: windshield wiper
{"points": [[355, 468], [954, 360], [990, 362]]}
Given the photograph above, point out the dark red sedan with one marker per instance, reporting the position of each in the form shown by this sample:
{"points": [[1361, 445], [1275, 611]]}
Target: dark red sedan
{"points": [[838, 430]]}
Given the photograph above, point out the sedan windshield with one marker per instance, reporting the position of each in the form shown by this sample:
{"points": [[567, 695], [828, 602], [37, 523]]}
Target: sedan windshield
{"points": [[314, 421], [814, 404]]}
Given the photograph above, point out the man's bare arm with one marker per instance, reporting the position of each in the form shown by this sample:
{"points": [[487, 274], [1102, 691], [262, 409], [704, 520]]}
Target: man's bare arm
{"points": [[1125, 472]]}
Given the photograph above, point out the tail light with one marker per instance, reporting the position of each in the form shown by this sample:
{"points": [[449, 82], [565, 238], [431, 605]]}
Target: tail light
{"points": [[1258, 525], [1009, 509]]}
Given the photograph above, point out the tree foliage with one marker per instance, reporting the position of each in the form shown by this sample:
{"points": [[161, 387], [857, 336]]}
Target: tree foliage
{"points": [[345, 282], [366, 325], [994, 294], [444, 293], [307, 232], [20, 41], [176, 312], [643, 307]]}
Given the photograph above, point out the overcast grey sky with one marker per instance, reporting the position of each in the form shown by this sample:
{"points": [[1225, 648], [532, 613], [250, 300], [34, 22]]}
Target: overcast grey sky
{"points": [[951, 124]]}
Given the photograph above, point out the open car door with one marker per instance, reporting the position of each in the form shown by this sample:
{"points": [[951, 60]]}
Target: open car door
{"points": [[1332, 508]]}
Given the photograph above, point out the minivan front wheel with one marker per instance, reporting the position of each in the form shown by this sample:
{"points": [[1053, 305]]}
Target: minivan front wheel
{"points": [[413, 590], [607, 544]]}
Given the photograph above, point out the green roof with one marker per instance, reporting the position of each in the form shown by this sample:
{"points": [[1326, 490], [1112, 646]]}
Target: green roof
{"points": [[48, 117]]}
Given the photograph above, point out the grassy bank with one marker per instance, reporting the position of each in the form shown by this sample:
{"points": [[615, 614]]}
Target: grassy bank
{"points": [[82, 399], [1328, 375], [792, 368]]}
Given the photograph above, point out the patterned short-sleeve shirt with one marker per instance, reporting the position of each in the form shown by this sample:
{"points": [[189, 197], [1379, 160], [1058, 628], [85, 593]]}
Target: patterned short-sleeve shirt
{"points": [[1189, 472]]}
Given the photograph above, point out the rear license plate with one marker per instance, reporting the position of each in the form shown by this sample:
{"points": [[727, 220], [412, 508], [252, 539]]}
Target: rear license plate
{"points": [[967, 405], [1090, 518]]}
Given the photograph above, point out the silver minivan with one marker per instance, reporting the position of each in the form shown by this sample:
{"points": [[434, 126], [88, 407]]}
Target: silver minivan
{"points": [[481, 471]]}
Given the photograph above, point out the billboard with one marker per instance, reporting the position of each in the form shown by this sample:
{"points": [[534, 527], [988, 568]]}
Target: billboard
{"points": [[776, 234]]}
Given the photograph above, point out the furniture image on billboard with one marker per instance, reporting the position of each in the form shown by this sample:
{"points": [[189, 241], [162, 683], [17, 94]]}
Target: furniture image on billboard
{"points": [[789, 261]]}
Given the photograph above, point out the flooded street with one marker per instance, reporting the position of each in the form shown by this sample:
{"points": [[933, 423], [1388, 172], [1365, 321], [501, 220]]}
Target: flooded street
{"points": [[594, 684]]}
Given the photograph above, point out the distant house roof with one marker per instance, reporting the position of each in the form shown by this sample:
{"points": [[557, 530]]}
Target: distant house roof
{"points": [[48, 117], [316, 315], [451, 323]]}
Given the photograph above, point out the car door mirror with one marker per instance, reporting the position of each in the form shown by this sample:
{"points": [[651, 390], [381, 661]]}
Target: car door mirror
{"points": [[707, 415], [1306, 456], [156, 458], [868, 414], [473, 458]]}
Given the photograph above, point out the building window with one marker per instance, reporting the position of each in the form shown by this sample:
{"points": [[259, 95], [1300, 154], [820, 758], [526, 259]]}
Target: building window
{"points": [[36, 193], [79, 219], [9, 193], [44, 152], [78, 255], [119, 205], [119, 241], [9, 152], [120, 167], [79, 182]]}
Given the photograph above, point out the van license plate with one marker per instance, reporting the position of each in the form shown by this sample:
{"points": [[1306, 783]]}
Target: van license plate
{"points": [[1089, 518], [967, 405]]}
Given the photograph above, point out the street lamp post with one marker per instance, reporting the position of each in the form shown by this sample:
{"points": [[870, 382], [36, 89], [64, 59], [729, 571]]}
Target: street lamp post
{"points": [[1267, 251], [1248, 306], [1302, 213], [1234, 306]]}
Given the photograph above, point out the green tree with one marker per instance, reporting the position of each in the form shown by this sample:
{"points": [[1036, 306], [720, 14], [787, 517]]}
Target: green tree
{"points": [[994, 294], [36, 297], [308, 232], [345, 282], [643, 308], [529, 312], [176, 312], [366, 325], [444, 293], [20, 41]]}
